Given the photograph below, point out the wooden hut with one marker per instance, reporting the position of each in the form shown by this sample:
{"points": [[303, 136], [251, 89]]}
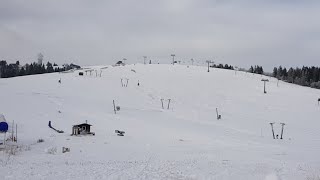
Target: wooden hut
{"points": [[81, 129]]}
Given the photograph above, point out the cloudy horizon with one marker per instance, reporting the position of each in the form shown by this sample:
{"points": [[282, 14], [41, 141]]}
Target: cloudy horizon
{"points": [[240, 33]]}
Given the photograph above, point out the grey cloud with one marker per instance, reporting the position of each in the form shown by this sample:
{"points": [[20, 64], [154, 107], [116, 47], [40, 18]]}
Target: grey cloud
{"points": [[241, 32]]}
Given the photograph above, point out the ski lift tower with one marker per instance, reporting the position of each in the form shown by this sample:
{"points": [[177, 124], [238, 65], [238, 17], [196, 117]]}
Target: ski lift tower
{"points": [[209, 62], [173, 55], [144, 59]]}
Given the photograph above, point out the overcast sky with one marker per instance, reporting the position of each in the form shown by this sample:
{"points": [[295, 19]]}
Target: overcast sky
{"points": [[93, 32]]}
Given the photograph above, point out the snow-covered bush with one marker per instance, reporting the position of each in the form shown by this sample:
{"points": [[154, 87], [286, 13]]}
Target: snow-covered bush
{"points": [[51, 150], [11, 150], [315, 85], [14, 149]]}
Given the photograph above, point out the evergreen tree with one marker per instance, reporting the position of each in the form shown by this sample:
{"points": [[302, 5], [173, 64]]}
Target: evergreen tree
{"points": [[275, 71], [49, 68], [279, 73], [251, 69], [290, 77], [22, 72], [284, 74]]}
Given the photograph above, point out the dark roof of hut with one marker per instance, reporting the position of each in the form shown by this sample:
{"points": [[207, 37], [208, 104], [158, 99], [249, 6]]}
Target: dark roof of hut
{"points": [[83, 124]]}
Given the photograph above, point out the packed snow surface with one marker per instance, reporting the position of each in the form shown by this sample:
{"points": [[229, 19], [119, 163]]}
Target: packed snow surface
{"points": [[186, 141]]}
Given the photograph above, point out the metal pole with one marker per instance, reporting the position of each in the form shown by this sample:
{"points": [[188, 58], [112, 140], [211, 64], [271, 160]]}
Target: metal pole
{"points": [[282, 129], [173, 55], [114, 108], [162, 103], [4, 140], [264, 85], [12, 131], [272, 130], [169, 103], [217, 113], [144, 61], [16, 132]]}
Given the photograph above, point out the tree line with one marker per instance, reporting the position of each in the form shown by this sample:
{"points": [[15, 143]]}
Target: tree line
{"points": [[256, 69], [221, 66], [305, 76], [15, 69]]}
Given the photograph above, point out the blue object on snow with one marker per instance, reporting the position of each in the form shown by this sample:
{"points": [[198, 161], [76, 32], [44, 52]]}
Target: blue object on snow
{"points": [[3, 127]]}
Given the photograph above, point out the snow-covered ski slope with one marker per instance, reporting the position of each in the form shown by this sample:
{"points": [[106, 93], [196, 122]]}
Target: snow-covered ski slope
{"points": [[185, 142]]}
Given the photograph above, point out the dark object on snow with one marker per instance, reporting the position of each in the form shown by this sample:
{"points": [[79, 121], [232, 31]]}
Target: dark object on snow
{"points": [[318, 101], [74, 66], [81, 129], [80, 73], [59, 131], [120, 133], [65, 149], [118, 108], [120, 63], [59, 81], [218, 115], [277, 136]]}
